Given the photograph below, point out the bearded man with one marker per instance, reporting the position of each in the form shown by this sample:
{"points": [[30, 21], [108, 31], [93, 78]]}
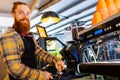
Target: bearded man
{"points": [[19, 50]]}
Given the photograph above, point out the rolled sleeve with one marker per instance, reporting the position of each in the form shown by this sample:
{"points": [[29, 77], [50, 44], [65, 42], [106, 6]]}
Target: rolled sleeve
{"points": [[45, 56]]}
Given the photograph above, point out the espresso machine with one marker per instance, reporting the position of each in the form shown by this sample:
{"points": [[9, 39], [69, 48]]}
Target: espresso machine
{"points": [[100, 48]]}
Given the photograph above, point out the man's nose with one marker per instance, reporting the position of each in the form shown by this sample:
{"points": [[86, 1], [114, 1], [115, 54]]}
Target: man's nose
{"points": [[26, 16]]}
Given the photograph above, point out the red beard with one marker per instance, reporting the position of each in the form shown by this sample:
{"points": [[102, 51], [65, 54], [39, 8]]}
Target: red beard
{"points": [[22, 26]]}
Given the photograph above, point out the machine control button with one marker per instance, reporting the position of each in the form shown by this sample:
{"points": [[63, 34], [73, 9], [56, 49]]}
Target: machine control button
{"points": [[105, 29], [110, 27], [117, 25]]}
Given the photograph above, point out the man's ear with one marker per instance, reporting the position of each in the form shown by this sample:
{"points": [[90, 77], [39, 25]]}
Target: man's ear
{"points": [[13, 14]]}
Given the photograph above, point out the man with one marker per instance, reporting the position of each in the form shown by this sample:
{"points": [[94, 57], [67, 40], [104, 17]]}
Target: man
{"points": [[18, 49]]}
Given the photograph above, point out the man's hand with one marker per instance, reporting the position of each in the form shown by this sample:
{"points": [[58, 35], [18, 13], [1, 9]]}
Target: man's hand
{"points": [[117, 50], [48, 76], [60, 65]]}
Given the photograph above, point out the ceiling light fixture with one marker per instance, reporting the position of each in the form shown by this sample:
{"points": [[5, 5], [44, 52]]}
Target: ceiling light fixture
{"points": [[50, 17]]}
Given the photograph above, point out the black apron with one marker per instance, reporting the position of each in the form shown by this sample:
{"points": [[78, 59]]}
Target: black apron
{"points": [[28, 58]]}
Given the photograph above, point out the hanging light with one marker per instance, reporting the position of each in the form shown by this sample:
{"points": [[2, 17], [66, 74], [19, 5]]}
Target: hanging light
{"points": [[50, 17]]}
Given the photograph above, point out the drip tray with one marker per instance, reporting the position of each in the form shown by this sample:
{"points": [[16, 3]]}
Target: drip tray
{"points": [[111, 68]]}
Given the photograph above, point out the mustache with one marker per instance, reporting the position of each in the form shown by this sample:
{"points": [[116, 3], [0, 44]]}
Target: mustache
{"points": [[24, 19], [22, 26]]}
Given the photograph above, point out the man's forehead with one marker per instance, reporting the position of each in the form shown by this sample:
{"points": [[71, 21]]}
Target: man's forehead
{"points": [[22, 7]]}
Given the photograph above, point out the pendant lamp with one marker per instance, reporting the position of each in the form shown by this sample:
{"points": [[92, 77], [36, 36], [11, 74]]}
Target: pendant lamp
{"points": [[50, 17]]}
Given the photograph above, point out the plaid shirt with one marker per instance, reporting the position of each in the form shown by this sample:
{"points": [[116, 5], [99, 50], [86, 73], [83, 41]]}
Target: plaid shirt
{"points": [[12, 48]]}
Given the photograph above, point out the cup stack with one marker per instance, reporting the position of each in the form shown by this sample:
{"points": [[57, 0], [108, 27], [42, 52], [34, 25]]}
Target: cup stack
{"points": [[96, 17], [111, 7], [102, 8], [117, 4]]}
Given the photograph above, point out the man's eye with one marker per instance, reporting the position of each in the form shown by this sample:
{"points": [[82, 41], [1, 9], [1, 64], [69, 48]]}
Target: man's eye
{"points": [[28, 13], [21, 12]]}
